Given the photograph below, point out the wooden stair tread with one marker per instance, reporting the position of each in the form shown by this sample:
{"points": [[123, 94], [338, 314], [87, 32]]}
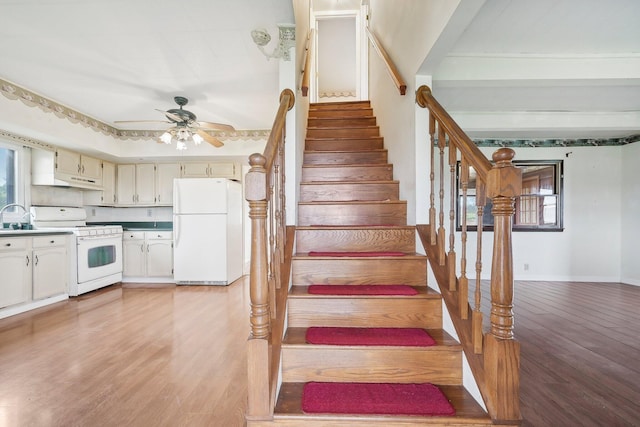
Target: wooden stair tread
{"points": [[354, 227], [300, 291], [360, 202], [296, 337], [372, 150], [414, 255], [349, 182], [344, 138], [289, 407], [352, 165]]}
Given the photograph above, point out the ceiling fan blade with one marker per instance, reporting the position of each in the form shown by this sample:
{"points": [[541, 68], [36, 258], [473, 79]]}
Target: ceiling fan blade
{"points": [[216, 126], [172, 116], [211, 140], [142, 121]]}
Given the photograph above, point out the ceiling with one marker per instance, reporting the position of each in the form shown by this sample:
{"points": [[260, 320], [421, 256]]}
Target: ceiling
{"points": [[121, 59], [540, 69], [503, 68]]}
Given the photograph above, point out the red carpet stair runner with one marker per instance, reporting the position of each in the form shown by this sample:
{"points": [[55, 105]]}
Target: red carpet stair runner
{"points": [[364, 343]]}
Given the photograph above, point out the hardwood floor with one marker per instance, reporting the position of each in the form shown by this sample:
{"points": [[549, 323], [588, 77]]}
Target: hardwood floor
{"points": [[175, 356], [128, 356]]}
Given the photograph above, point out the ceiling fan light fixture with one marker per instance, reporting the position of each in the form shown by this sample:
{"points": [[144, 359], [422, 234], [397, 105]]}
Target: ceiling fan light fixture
{"points": [[180, 145], [197, 139], [166, 138]]}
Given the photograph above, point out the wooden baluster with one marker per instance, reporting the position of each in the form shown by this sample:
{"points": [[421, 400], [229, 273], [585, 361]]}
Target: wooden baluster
{"points": [[441, 231], [463, 283], [451, 256], [476, 319], [432, 177], [502, 351], [258, 344], [273, 259]]}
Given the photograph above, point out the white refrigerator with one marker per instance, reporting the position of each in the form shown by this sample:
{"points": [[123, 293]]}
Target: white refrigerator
{"points": [[207, 231]]}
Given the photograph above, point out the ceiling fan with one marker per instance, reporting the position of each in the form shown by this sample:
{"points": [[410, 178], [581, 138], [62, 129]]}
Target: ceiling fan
{"points": [[186, 127]]}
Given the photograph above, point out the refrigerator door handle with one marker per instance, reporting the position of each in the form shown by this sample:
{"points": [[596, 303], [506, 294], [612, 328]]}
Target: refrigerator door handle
{"points": [[176, 232]]}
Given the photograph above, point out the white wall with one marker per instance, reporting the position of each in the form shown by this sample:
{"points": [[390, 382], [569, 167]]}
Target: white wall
{"points": [[630, 208], [407, 30], [589, 248]]}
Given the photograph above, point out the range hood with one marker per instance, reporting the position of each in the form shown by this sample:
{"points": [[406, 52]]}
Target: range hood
{"points": [[45, 172]]}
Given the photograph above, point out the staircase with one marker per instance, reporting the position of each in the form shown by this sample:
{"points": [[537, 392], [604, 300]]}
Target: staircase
{"points": [[349, 202]]}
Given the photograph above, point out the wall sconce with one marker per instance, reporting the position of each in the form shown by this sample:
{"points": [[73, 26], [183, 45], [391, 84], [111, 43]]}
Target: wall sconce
{"points": [[287, 40]]}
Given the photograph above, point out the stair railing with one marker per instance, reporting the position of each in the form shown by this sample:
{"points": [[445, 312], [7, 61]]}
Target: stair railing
{"points": [[306, 66], [265, 192], [391, 67], [493, 353]]}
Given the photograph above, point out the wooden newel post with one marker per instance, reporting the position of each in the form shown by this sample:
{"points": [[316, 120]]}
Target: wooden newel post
{"points": [[258, 357], [502, 352], [256, 195]]}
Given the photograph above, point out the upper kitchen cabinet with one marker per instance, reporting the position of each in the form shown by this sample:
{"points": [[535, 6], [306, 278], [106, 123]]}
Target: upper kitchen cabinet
{"points": [[165, 174], [135, 184], [210, 170], [106, 196], [66, 168]]}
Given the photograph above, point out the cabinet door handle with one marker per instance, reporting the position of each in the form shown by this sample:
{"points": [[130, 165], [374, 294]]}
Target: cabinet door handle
{"points": [[7, 244], [36, 260], [78, 168], [142, 248], [27, 260], [82, 168]]}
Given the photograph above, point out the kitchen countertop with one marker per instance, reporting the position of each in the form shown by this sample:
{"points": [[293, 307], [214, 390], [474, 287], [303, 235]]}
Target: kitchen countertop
{"points": [[5, 232], [141, 226]]}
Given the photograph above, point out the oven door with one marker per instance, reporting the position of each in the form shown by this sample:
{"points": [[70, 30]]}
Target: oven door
{"points": [[98, 257]]}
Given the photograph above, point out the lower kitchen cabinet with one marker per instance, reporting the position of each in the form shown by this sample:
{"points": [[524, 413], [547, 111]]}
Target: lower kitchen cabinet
{"points": [[15, 265], [49, 261], [33, 269], [148, 256]]}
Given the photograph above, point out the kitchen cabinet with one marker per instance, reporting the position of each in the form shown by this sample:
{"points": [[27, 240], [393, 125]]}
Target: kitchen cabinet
{"points": [[147, 254], [33, 268], [49, 266], [106, 196], [15, 265], [65, 168], [133, 254], [159, 253], [135, 184], [165, 174], [210, 170]]}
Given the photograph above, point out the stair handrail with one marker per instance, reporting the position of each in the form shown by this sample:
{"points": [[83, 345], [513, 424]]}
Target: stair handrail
{"points": [[391, 67], [306, 66], [265, 192], [495, 359]]}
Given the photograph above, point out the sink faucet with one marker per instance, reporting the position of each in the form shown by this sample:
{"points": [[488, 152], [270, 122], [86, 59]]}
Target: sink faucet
{"points": [[5, 207]]}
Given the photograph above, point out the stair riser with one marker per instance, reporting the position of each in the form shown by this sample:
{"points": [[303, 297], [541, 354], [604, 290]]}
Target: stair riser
{"points": [[359, 271], [347, 173], [383, 213], [365, 312], [349, 192], [348, 105], [361, 132], [400, 240], [366, 421], [436, 365], [330, 122], [338, 144], [345, 158], [340, 113]]}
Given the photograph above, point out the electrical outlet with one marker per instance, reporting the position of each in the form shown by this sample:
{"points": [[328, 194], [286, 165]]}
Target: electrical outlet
{"points": [[93, 212], [149, 213], [526, 267]]}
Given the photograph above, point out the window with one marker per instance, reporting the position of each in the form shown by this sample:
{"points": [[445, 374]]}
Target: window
{"points": [[11, 180], [7, 176], [539, 207]]}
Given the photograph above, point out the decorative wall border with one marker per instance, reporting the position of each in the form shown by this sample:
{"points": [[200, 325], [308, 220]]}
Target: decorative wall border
{"points": [[337, 94], [15, 92], [548, 143]]}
